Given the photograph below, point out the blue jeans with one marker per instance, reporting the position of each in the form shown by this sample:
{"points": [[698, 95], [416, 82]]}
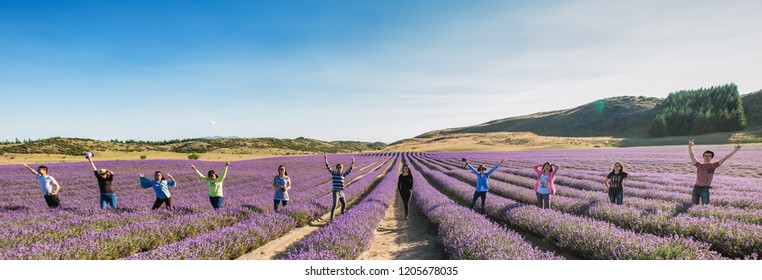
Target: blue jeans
{"points": [[338, 196], [276, 202], [477, 195], [216, 201], [108, 199], [616, 196], [543, 200], [700, 194]]}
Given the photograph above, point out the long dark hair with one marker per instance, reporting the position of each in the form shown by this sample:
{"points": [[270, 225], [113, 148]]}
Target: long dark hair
{"points": [[285, 171], [402, 171], [548, 164], [613, 169]]}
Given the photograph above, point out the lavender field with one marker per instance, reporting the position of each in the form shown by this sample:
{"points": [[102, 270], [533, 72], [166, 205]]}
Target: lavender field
{"points": [[656, 220]]}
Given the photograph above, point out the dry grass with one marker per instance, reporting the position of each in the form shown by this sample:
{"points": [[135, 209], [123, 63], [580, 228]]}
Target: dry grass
{"points": [[500, 141], [10, 158]]}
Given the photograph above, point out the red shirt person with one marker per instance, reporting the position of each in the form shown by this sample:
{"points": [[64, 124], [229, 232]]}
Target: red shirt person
{"points": [[705, 172]]}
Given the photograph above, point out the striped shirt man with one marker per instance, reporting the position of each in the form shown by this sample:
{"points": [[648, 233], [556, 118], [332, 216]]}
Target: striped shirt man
{"points": [[338, 177]]}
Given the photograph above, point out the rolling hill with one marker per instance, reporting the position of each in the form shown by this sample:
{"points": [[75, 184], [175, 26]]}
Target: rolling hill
{"points": [[234, 146], [611, 122]]}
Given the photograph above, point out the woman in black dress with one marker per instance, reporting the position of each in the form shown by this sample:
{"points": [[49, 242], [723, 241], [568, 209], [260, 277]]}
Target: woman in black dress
{"points": [[405, 187]]}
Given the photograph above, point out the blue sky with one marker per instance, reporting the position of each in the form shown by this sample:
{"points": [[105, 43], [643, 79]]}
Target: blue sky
{"points": [[349, 70]]}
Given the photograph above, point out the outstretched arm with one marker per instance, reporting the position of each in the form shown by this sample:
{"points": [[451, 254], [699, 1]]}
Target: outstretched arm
{"points": [[326, 164], [198, 172], [171, 183], [690, 152], [495, 167], [349, 170], [225, 172], [736, 148], [144, 182], [30, 169], [92, 164], [470, 167]]}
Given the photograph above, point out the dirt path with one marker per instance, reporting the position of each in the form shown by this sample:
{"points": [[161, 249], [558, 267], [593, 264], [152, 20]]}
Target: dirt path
{"points": [[277, 248], [400, 239]]}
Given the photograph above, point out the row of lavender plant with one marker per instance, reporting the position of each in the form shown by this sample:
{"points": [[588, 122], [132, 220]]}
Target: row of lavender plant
{"points": [[170, 224], [321, 205], [583, 236], [731, 238], [233, 241], [349, 234], [466, 234], [56, 230], [648, 200], [527, 182]]}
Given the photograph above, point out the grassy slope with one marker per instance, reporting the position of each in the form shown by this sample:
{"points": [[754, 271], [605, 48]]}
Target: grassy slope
{"points": [[72, 149], [613, 122]]}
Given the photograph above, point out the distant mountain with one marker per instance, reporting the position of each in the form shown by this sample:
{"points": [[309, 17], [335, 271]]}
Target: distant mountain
{"points": [[610, 122], [221, 137], [78, 146], [624, 116]]}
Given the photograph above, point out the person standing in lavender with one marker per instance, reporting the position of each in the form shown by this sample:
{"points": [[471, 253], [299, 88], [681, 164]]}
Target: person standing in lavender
{"points": [[337, 177], [614, 183], [47, 183], [482, 186], [405, 187], [544, 187], [214, 181], [705, 172], [281, 184], [104, 177], [161, 187]]}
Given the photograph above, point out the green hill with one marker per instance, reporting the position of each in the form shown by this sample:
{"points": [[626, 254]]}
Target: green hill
{"points": [[78, 146], [611, 122], [624, 116]]}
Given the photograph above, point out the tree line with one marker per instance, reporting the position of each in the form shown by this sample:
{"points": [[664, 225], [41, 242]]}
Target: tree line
{"points": [[704, 110]]}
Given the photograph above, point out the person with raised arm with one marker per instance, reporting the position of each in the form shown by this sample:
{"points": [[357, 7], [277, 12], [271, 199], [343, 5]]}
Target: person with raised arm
{"points": [[614, 183], [337, 178], [161, 187], [482, 186], [281, 184], [214, 181], [705, 172], [47, 184], [104, 177], [544, 187], [405, 187]]}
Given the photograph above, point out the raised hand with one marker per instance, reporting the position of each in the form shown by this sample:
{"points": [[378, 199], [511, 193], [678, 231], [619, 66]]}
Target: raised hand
{"points": [[193, 166], [737, 147], [227, 163], [691, 143], [141, 175], [501, 161], [353, 160]]}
